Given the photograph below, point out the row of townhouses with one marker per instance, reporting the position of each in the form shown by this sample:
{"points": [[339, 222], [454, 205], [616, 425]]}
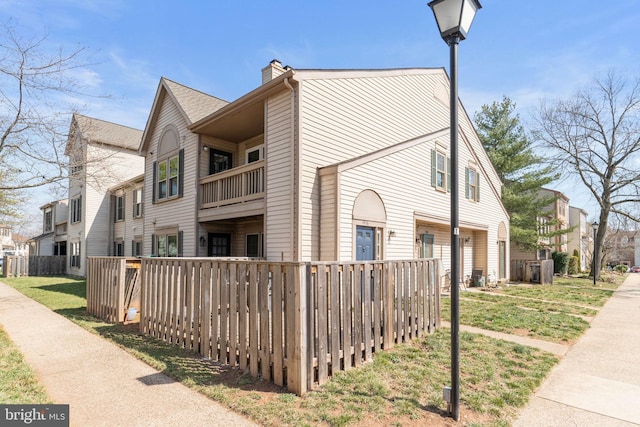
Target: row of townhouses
{"points": [[311, 165]]}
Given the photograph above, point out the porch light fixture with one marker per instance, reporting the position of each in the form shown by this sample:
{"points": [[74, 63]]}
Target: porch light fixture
{"points": [[454, 18], [594, 226]]}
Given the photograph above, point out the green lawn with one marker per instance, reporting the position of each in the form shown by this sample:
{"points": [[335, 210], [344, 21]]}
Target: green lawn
{"points": [[402, 387], [18, 383]]}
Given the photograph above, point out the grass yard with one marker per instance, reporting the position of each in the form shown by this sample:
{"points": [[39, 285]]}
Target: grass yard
{"points": [[401, 387], [18, 383], [549, 312]]}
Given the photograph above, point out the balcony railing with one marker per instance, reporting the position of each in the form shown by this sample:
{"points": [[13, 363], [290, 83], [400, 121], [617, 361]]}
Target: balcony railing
{"points": [[237, 185]]}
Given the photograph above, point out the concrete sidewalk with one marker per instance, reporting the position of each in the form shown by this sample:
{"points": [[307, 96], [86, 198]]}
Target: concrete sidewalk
{"points": [[597, 383], [103, 384]]}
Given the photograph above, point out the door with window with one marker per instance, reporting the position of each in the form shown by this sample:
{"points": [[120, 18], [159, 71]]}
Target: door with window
{"points": [[365, 243], [219, 245], [219, 161]]}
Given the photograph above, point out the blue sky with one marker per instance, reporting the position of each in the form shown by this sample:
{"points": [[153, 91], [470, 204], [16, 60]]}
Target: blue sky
{"points": [[526, 50]]}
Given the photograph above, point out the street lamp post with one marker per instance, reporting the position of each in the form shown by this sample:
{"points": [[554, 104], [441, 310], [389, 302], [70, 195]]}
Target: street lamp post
{"points": [[593, 265], [454, 18]]}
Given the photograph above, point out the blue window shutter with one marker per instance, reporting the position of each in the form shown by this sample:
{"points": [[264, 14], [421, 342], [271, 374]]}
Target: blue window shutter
{"points": [[180, 172], [154, 183], [180, 234], [448, 174], [477, 187], [466, 182], [434, 159]]}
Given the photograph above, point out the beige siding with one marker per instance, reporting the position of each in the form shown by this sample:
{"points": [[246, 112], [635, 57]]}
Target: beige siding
{"points": [[279, 220], [348, 117], [345, 118], [405, 188], [179, 212], [328, 219]]}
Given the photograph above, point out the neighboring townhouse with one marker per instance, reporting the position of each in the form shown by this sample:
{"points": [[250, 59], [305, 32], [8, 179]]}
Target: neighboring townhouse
{"points": [[127, 226], [556, 218], [579, 238], [6, 242], [319, 165], [53, 240], [620, 248], [101, 155], [12, 243]]}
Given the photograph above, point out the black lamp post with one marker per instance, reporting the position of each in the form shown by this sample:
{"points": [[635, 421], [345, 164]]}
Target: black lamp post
{"points": [[593, 268], [454, 18]]}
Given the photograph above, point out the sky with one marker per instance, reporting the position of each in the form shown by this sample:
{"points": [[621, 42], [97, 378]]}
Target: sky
{"points": [[527, 50]]}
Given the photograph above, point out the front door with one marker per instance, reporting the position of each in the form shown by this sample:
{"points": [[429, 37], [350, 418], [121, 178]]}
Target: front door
{"points": [[365, 241], [219, 244]]}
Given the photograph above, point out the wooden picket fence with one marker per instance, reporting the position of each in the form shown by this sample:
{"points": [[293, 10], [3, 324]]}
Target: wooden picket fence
{"points": [[293, 323], [113, 286], [34, 265]]}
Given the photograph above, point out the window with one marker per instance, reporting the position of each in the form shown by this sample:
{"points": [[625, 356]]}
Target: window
{"points": [[254, 245], [60, 248], [219, 161], [427, 246], [118, 248], [76, 209], [254, 154], [137, 203], [472, 184], [168, 245], [136, 248], [48, 220], [119, 208], [75, 254], [440, 167], [168, 177]]}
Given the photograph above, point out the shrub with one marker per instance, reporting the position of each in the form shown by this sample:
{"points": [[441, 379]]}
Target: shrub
{"points": [[576, 254], [560, 262], [621, 268], [574, 265]]}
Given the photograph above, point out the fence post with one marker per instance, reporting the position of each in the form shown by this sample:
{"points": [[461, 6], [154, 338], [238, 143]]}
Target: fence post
{"points": [[297, 378], [122, 273]]}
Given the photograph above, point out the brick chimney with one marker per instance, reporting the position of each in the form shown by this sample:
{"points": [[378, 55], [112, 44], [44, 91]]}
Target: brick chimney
{"points": [[271, 71]]}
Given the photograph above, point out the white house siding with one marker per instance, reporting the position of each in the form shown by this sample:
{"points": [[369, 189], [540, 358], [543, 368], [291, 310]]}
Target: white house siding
{"points": [[279, 217], [179, 212], [114, 166], [343, 118], [130, 228]]}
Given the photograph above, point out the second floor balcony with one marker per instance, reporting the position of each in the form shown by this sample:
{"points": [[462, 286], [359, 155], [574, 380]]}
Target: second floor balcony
{"points": [[233, 189]]}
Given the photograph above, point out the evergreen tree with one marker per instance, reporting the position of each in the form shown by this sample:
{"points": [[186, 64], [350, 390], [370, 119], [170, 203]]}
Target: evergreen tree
{"points": [[522, 172]]}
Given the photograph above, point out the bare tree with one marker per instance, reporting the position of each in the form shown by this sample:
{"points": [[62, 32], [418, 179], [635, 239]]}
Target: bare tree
{"points": [[595, 135], [36, 84]]}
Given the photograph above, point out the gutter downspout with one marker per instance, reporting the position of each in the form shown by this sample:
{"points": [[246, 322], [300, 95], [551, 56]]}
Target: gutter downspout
{"points": [[294, 173]]}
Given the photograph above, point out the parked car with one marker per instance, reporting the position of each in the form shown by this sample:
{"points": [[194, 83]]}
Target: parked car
{"points": [[635, 269]]}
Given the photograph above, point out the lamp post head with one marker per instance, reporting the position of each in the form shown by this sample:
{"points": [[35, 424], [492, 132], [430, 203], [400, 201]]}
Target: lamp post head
{"points": [[594, 226], [454, 17]]}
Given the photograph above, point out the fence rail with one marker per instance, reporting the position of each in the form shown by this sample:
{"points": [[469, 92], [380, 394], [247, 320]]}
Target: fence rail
{"points": [[293, 323], [34, 265]]}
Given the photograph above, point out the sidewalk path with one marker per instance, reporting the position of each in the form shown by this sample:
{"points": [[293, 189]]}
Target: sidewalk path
{"points": [[597, 383], [103, 384]]}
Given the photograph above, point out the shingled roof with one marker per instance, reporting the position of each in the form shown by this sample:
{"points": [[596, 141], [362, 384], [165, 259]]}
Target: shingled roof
{"points": [[193, 104], [103, 132]]}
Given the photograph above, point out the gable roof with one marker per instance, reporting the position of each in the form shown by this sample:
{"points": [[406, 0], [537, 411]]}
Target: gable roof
{"points": [[102, 132], [192, 104]]}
